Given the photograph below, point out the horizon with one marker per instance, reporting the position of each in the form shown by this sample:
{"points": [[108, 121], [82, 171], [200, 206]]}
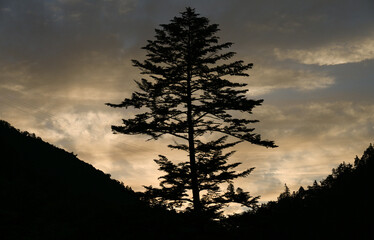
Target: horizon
{"points": [[313, 66]]}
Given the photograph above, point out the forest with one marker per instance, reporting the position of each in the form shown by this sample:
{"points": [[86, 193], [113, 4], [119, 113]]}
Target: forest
{"points": [[48, 193]]}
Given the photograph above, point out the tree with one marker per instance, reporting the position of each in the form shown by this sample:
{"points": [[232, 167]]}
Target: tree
{"points": [[212, 170], [188, 96], [286, 194]]}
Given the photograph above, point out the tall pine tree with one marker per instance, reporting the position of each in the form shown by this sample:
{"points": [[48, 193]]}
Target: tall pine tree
{"points": [[188, 95]]}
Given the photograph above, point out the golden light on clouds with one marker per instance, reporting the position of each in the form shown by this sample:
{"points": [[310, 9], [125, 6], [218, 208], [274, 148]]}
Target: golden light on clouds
{"points": [[333, 53], [266, 79]]}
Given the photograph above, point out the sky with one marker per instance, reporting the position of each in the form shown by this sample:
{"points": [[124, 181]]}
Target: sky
{"points": [[61, 60]]}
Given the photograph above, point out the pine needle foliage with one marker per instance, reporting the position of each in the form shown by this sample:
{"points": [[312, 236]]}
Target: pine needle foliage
{"points": [[188, 95]]}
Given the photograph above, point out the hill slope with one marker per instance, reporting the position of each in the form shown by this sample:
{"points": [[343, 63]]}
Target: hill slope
{"points": [[48, 193], [339, 207]]}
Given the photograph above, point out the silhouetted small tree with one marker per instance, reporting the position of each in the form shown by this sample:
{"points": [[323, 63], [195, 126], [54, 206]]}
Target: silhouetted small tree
{"points": [[285, 194], [188, 96]]}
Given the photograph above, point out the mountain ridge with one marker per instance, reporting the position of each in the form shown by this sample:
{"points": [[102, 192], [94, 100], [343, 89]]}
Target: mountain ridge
{"points": [[48, 193]]}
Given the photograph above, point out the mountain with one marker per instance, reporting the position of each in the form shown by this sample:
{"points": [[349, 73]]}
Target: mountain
{"points": [[339, 207], [48, 193]]}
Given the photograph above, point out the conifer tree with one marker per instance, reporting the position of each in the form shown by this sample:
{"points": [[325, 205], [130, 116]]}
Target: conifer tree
{"points": [[188, 95], [285, 194]]}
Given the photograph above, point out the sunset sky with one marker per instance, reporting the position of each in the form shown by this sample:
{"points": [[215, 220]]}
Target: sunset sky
{"points": [[61, 60]]}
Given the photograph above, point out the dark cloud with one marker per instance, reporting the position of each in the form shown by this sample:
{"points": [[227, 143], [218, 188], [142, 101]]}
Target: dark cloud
{"points": [[56, 42], [298, 24]]}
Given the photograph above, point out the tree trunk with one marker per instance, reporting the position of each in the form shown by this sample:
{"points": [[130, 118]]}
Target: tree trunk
{"points": [[191, 146], [191, 141]]}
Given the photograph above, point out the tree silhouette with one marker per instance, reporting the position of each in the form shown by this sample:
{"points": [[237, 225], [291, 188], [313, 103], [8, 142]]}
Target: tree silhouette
{"points": [[338, 207], [188, 96], [212, 170], [285, 194]]}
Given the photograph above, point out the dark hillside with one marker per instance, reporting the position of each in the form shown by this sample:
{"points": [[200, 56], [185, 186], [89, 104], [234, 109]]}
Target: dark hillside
{"points": [[339, 207], [48, 193]]}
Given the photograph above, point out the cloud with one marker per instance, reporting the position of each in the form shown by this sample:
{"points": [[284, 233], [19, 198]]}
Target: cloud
{"points": [[332, 123], [332, 54], [62, 60], [59, 41], [273, 24], [265, 79], [88, 134], [313, 138]]}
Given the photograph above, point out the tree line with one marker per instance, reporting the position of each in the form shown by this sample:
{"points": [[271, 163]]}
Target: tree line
{"points": [[338, 207]]}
